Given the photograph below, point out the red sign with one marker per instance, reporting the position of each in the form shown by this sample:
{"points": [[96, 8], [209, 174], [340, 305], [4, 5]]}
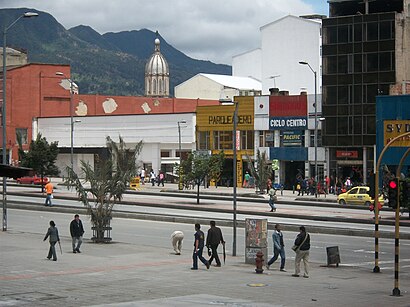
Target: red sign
{"points": [[287, 106], [347, 154]]}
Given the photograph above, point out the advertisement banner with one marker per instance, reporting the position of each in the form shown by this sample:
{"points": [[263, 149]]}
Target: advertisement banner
{"points": [[394, 128], [292, 138]]}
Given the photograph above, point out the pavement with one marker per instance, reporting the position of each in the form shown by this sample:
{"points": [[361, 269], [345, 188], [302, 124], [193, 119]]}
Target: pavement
{"points": [[140, 273]]}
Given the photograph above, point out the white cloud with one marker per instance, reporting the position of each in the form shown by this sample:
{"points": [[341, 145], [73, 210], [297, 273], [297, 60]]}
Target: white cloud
{"points": [[208, 30]]}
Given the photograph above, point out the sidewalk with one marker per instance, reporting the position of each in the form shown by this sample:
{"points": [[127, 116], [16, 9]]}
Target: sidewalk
{"points": [[145, 275]]}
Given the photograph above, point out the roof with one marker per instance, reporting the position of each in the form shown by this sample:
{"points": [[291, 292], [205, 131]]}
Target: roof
{"points": [[241, 83], [291, 17]]}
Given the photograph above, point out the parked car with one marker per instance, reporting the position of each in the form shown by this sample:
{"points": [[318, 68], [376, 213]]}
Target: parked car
{"points": [[357, 196], [32, 180]]}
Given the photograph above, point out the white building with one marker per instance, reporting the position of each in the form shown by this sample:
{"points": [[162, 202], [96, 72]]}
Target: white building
{"points": [[159, 133], [216, 87], [284, 43]]}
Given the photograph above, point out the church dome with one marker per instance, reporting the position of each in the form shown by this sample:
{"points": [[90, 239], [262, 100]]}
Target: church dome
{"points": [[157, 74], [157, 65]]}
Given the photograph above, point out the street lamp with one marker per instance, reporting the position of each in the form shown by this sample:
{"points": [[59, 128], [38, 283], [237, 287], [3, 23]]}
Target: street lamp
{"points": [[235, 171], [3, 120], [180, 155], [72, 87], [316, 124]]}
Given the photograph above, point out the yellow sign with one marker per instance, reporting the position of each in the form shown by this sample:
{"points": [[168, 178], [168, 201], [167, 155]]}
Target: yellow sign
{"points": [[394, 128], [135, 183]]}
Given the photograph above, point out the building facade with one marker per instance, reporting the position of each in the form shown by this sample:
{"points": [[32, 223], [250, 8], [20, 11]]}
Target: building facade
{"points": [[216, 87], [284, 43], [214, 133], [365, 52], [39, 102], [284, 130]]}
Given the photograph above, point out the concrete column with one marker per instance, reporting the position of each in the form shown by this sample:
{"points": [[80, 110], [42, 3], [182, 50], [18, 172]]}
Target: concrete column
{"points": [[365, 165]]}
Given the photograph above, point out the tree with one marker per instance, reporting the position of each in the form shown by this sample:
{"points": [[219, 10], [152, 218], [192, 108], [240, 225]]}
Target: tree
{"points": [[260, 170], [41, 156], [107, 182], [199, 166], [216, 165]]}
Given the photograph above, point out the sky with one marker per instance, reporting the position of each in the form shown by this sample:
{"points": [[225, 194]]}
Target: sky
{"points": [[212, 30]]}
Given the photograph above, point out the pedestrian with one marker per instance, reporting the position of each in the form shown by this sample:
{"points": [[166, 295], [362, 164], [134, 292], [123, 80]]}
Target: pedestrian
{"points": [[301, 248], [152, 177], [278, 248], [198, 248], [272, 198], [177, 237], [246, 180], [161, 178], [298, 187], [52, 233], [76, 231], [49, 190], [143, 176], [213, 239]]}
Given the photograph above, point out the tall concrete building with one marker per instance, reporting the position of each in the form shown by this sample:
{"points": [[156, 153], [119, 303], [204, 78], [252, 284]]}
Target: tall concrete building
{"points": [[365, 53]]}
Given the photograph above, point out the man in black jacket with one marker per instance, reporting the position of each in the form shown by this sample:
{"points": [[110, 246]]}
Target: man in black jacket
{"points": [[77, 231], [213, 239], [302, 243]]}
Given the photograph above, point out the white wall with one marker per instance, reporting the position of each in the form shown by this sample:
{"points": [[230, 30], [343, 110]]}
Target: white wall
{"points": [[284, 43], [199, 87], [157, 131], [248, 64]]}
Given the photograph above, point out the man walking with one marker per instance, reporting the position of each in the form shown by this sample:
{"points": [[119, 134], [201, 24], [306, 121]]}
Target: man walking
{"points": [[278, 248], [177, 237], [77, 231], [198, 248], [213, 239], [301, 248], [49, 190]]}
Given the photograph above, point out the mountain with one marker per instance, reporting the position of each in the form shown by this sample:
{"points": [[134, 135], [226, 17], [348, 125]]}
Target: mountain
{"points": [[112, 63]]}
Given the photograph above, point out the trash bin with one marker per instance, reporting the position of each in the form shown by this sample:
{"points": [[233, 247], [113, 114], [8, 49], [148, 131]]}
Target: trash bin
{"points": [[333, 256]]}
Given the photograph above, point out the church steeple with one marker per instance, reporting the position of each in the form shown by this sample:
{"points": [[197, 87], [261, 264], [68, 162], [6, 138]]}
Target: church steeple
{"points": [[157, 73]]}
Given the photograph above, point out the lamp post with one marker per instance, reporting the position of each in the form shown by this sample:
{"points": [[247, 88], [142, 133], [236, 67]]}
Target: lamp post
{"points": [[71, 119], [316, 123], [235, 171], [180, 155], [235, 124], [3, 120]]}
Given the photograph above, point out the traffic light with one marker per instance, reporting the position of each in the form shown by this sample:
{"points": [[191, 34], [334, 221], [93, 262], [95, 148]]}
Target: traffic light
{"points": [[393, 193], [404, 193]]}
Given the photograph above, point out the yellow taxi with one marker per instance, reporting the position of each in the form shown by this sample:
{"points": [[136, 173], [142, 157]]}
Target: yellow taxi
{"points": [[357, 196]]}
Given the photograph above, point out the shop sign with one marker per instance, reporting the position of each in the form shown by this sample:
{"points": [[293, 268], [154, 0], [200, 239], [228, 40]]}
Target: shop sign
{"points": [[288, 123], [228, 120], [354, 154], [393, 128], [292, 138]]}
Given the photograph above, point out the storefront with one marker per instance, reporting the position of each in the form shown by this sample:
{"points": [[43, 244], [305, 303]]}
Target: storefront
{"points": [[214, 133]]}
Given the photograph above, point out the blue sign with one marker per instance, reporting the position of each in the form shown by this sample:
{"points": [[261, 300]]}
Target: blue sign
{"points": [[288, 123]]}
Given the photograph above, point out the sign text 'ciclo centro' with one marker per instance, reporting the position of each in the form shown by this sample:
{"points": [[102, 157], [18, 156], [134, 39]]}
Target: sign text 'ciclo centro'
{"points": [[281, 123]]}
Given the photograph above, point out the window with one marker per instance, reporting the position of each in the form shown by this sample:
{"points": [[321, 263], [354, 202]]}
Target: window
{"points": [[165, 153], [386, 30], [247, 139], [223, 140], [372, 33], [21, 133], [203, 140]]}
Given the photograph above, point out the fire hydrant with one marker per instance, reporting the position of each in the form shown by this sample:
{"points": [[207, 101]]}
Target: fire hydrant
{"points": [[259, 262]]}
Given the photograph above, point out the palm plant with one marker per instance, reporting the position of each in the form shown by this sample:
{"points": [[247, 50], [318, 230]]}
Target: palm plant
{"points": [[107, 181], [260, 170]]}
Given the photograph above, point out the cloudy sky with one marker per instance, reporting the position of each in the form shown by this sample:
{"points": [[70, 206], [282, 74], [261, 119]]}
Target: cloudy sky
{"points": [[212, 30]]}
